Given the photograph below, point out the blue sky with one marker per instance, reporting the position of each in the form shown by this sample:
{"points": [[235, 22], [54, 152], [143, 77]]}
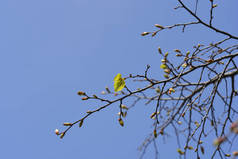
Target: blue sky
{"points": [[50, 49]]}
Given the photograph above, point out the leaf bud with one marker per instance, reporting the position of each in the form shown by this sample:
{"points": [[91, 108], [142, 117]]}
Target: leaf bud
{"points": [[171, 90], [154, 33], [145, 33], [166, 76], [179, 122], [155, 133], [214, 5], [235, 153], [159, 26], [162, 132], [180, 151], [62, 135], [219, 141], [80, 93], [108, 90], [184, 65], [152, 115], [234, 125], [95, 96], [177, 50], [81, 123], [124, 114], [85, 98], [220, 50], [163, 60], [183, 114], [163, 66], [57, 131], [121, 122], [124, 107], [209, 61], [187, 53], [190, 147], [196, 123], [157, 89], [202, 149], [67, 124], [159, 50], [227, 155], [167, 71], [212, 123]]}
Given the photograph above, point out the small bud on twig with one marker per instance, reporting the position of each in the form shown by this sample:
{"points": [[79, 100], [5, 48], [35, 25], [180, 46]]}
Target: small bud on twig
{"points": [[177, 50], [62, 135], [121, 122], [108, 90], [180, 151], [159, 50], [81, 123], [80, 93], [214, 5], [235, 153], [57, 132], [219, 141], [145, 33], [124, 107], [155, 133], [67, 124], [85, 98], [159, 26]]}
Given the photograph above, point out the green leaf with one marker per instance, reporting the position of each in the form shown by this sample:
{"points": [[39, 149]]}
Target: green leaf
{"points": [[163, 66], [119, 83]]}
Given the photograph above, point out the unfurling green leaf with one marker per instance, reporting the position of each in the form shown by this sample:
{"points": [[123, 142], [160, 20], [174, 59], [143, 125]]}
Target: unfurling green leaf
{"points": [[119, 83], [124, 107], [228, 155], [180, 151], [166, 76], [163, 66]]}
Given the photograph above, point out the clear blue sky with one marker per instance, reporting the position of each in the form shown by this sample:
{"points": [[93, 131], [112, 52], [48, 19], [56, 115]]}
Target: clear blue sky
{"points": [[50, 49]]}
